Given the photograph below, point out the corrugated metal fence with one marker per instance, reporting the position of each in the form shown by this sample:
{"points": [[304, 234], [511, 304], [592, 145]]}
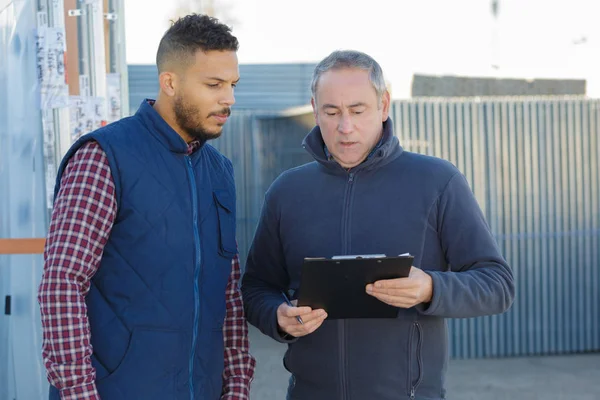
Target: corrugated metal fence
{"points": [[260, 145], [533, 165]]}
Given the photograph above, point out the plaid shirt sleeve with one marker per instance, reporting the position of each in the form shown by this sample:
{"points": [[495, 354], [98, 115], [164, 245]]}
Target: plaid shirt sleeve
{"points": [[83, 215], [239, 364]]}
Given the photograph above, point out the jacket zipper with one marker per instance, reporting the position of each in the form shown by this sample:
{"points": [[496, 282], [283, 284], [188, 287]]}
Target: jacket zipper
{"points": [[342, 349], [342, 323], [196, 271], [415, 384]]}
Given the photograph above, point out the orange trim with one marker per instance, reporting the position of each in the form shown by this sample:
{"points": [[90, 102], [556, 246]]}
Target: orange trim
{"points": [[22, 246]]}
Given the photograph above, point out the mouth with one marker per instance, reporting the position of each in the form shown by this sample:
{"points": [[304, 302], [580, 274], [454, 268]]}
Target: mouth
{"points": [[347, 144], [221, 115], [221, 118]]}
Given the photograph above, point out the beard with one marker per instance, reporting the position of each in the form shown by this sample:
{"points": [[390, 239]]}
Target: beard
{"points": [[188, 117]]}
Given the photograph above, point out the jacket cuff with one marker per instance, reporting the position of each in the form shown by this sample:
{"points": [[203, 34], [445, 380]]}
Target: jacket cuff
{"points": [[432, 307]]}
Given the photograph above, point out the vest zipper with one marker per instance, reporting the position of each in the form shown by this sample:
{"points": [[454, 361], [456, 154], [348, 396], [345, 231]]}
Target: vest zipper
{"points": [[194, 193]]}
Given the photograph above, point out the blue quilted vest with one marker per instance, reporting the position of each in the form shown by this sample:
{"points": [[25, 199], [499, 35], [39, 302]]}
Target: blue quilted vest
{"points": [[157, 303]]}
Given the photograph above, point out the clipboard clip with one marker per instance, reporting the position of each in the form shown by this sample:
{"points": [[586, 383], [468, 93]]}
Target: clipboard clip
{"points": [[358, 256]]}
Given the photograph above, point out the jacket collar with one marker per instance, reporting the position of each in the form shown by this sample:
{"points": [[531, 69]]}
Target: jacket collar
{"points": [[385, 151], [160, 129]]}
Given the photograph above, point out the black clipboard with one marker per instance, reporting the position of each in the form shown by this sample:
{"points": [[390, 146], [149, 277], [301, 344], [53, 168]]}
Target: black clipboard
{"points": [[337, 285]]}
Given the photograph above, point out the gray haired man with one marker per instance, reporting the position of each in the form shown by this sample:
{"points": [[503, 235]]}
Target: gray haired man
{"points": [[364, 194]]}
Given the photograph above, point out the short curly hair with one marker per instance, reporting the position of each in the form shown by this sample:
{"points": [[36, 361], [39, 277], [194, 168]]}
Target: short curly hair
{"points": [[189, 34]]}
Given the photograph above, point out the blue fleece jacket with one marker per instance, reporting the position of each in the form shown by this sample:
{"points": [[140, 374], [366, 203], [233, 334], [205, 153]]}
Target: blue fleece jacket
{"points": [[395, 202]]}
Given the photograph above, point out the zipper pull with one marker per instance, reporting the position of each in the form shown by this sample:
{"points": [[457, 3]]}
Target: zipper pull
{"points": [[412, 393], [351, 177]]}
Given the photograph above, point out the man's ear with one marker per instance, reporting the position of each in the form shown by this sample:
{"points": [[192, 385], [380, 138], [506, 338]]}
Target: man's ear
{"points": [[385, 104], [168, 83], [314, 107]]}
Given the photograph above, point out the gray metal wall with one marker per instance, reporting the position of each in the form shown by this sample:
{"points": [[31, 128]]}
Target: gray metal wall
{"points": [[261, 87], [533, 166], [461, 86], [143, 83]]}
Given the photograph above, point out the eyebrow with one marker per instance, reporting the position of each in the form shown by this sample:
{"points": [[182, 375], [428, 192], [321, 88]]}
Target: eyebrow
{"points": [[221, 79], [359, 104]]}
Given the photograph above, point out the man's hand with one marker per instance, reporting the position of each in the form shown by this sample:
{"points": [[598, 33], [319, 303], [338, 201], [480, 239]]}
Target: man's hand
{"points": [[288, 323], [404, 292]]}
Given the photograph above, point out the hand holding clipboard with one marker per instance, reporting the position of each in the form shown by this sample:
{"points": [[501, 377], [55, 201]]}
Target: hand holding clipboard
{"points": [[417, 288], [339, 285]]}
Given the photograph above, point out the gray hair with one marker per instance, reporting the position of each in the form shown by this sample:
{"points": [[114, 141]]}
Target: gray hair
{"points": [[341, 59]]}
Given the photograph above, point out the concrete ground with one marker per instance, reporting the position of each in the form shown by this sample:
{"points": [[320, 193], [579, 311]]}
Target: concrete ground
{"points": [[571, 377]]}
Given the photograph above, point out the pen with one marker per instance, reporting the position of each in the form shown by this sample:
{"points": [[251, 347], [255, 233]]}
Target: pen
{"points": [[289, 303]]}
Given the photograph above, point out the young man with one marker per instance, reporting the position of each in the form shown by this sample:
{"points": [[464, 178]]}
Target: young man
{"points": [[364, 195], [139, 298]]}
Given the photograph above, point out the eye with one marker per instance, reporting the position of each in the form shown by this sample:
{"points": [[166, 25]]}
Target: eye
{"points": [[233, 84], [213, 85]]}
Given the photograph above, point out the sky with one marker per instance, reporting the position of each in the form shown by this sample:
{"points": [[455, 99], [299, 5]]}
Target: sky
{"points": [[529, 39]]}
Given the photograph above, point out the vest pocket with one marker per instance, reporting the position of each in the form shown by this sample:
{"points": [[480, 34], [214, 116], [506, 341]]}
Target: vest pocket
{"points": [[226, 212], [148, 368]]}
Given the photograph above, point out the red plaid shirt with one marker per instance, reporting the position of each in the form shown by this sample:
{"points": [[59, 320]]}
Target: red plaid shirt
{"points": [[84, 211]]}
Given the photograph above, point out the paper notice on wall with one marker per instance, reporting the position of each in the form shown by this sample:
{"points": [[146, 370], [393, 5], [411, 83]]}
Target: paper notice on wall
{"points": [[51, 58], [84, 86], [99, 108], [113, 94], [86, 115], [78, 119], [58, 7], [49, 154]]}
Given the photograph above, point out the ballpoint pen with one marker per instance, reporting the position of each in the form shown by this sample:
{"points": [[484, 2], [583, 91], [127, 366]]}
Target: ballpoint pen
{"points": [[289, 303]]}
